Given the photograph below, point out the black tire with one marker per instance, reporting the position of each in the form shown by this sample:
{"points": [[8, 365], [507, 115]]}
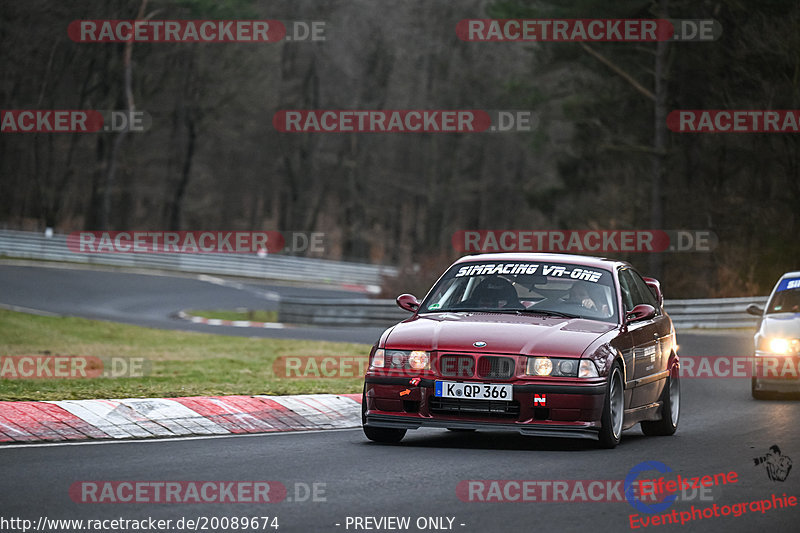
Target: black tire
{"points": [[613, 409], [382, 435], [759, 394], [670, 410]]}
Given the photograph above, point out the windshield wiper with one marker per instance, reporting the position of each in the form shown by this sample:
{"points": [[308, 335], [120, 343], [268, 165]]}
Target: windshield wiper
{"points": [[506, 311], [547, 312]]}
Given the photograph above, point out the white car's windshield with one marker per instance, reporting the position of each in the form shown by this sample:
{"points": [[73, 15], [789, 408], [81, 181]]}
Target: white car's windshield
{"points": [[559, 289], [786, 298]]}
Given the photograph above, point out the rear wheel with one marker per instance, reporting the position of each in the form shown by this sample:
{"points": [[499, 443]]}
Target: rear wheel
{"points": [[383, 435], [613, 410], [670, 409]]}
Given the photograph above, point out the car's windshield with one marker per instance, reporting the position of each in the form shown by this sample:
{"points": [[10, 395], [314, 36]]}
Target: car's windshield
{"points": [[559, 289], [786, 298]]}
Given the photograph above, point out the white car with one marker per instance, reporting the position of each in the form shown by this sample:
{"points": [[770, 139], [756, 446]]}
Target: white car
{"points": [[776, 364]]}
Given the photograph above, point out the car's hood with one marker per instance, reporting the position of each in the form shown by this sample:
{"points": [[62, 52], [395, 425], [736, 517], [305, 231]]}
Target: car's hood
{"points": [[502, 333], [784, 325]]}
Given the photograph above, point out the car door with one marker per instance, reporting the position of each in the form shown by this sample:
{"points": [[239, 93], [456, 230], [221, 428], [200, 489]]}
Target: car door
{"points": [[665, 339], [646, 377]]}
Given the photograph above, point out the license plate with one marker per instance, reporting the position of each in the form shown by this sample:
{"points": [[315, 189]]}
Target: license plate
{"points": [[473, 391]]}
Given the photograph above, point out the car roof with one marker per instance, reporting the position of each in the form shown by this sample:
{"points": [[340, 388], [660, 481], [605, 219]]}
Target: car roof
{"points": [[794, 274], [583, 260]]}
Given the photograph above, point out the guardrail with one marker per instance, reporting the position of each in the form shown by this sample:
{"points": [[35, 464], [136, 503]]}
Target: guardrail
{"points": [[714, 312], [685, 314], [340, 312], [30, 245]]}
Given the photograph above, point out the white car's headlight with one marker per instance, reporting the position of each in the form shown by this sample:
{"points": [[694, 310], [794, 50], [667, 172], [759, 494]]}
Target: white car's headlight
{"points": [[778, 345]]}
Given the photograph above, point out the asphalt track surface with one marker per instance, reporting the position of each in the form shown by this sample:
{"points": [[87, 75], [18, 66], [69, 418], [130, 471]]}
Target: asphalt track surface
{"points": [[722, 429], [152, 300]]}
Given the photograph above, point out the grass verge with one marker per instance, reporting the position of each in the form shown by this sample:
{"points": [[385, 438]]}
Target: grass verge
{"points": [[176, 363]]}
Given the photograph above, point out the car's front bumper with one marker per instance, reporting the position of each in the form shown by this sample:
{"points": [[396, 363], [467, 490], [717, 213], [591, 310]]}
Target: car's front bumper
{"points": [[569, 410], [776, 373]]}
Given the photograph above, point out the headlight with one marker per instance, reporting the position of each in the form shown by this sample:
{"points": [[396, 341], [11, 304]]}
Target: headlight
{"points": [[401, 359], [778, 345], [569, 368], [539, 366], [419, 360]]}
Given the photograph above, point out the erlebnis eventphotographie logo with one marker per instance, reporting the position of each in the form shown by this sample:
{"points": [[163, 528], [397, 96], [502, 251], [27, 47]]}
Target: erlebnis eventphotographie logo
{"points": [[778, 466]]}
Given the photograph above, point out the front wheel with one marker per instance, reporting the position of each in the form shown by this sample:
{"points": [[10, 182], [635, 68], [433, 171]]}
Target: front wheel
{"points": [[383, 435], [758, 394], [670, 410], [613, 410]]}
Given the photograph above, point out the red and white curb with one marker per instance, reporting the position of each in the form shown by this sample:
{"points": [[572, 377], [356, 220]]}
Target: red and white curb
{"points": [[235, 323], [139, 418]]}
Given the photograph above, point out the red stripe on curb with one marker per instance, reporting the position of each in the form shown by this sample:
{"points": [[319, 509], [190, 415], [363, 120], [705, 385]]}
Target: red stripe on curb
{"points": [[255, 407], [56, 422], [233, 413], [356, 397], [293, 421], [15, 432], [26, 419], [58, 414]]}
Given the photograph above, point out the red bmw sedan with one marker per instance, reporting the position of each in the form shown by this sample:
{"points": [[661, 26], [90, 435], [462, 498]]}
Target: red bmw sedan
{"points": [[542, 344]]}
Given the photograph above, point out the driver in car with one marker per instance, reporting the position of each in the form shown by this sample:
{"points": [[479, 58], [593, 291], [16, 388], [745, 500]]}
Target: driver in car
{"points": [[495, 293], [579, 295]]}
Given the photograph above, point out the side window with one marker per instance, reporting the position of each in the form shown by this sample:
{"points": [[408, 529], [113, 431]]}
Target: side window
{"points": [[647, 295], [628, 289]]}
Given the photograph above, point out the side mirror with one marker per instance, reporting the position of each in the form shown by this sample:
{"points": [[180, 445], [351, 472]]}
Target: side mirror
{"points": [[408, 302], [640, 312], [655, 287], [753, 309]]}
